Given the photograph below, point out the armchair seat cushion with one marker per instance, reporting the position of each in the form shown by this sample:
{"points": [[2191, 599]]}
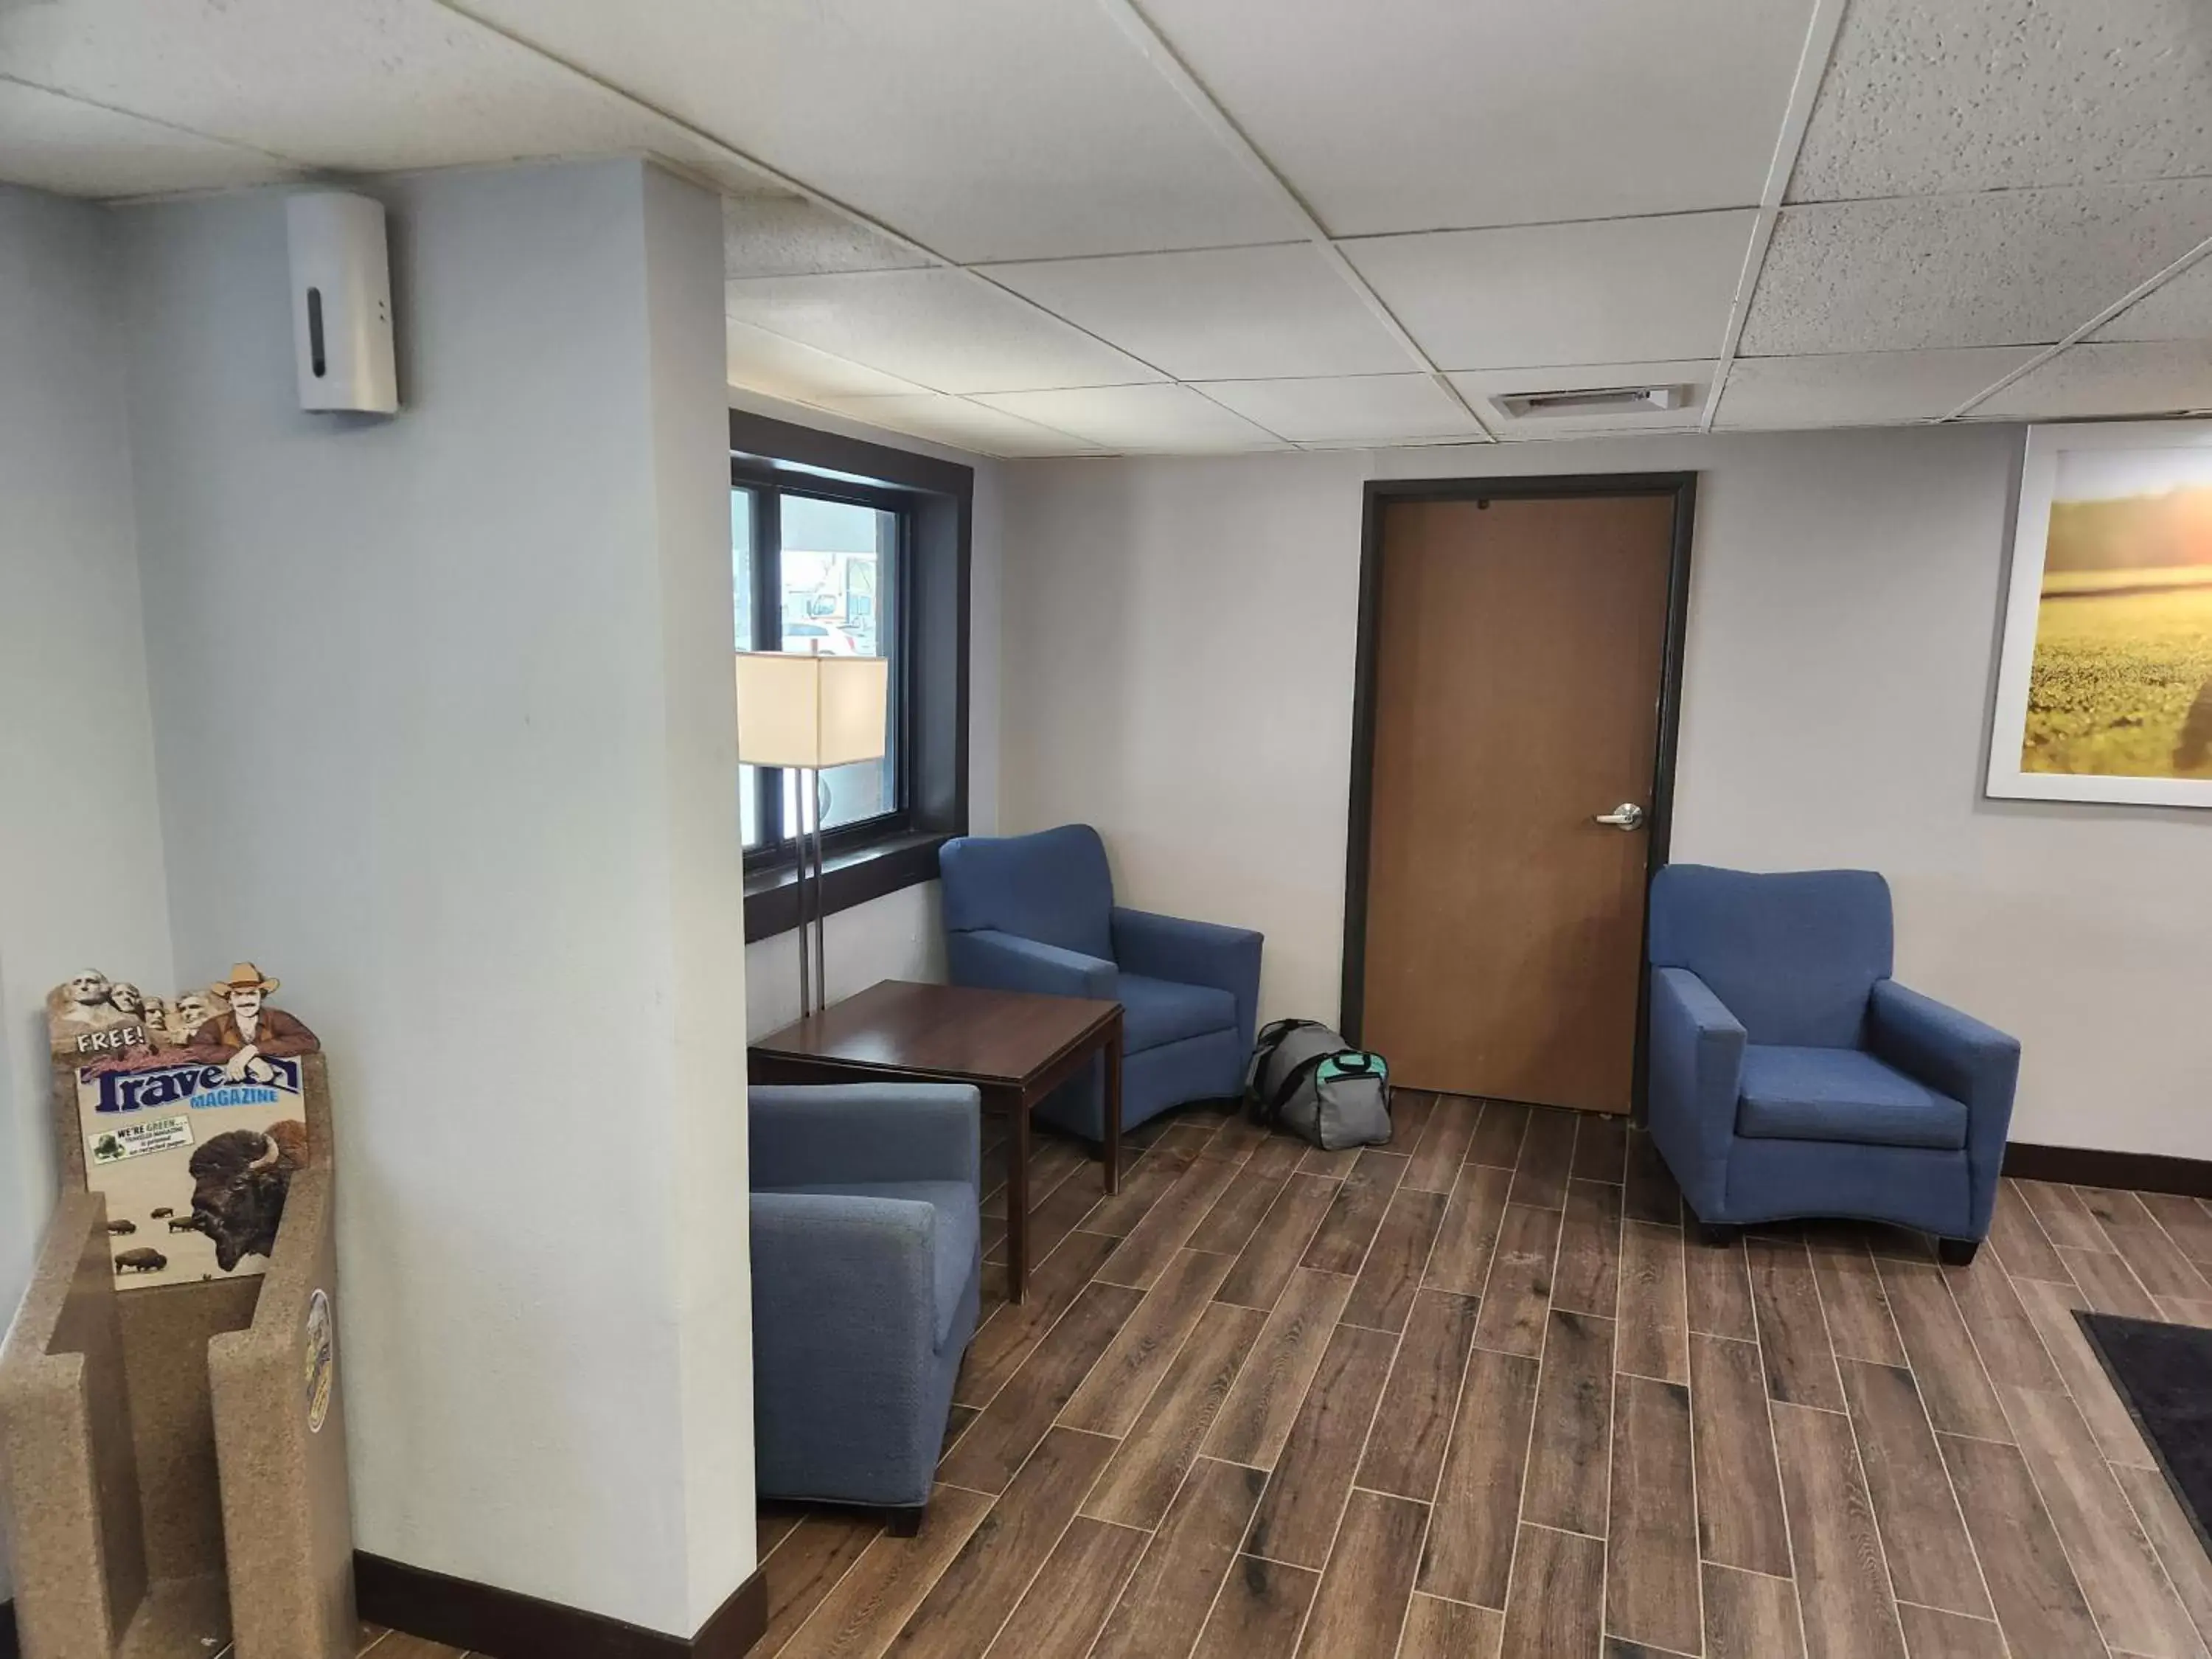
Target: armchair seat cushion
{"points": [[954, 1238], [1157, 1011], [1842, 1094]]}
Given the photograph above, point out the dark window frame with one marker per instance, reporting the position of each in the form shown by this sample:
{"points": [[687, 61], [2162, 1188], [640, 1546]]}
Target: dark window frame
{"points": [[770, 486], [936, 498]]}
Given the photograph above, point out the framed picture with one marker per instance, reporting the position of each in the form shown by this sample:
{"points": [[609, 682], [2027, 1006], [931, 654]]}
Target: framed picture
{"points": [[2104, 686]]}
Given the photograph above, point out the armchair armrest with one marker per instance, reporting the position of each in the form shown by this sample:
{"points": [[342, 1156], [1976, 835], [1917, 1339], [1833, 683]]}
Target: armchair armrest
{"points": [[1696, 1074], [1969, 1062], [996, 960], [836, 1277], [1942, 1047], [805, 1135], [1192, 953]]}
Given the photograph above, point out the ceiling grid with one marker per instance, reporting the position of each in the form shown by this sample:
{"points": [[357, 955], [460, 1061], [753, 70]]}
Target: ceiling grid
{"points": [[1074, 227], [795, 185], [2086, 330], [1812, 71], [1162, 57]]}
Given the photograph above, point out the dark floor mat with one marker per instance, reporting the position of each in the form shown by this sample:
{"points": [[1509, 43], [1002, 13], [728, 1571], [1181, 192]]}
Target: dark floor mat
{"points": [[2165, 1374]]}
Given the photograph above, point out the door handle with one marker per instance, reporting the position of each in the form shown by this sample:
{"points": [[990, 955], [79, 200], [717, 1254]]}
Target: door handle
{"points": [[1626, 816]]}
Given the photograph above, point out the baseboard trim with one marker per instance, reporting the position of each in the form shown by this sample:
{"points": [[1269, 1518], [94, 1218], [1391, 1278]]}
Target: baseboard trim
{"points": [[500, 1623], [2084, 1166]]}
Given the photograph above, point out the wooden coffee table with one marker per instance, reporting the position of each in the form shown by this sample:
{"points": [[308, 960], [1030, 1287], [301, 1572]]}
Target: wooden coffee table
{"points": [[1014, 1046]]}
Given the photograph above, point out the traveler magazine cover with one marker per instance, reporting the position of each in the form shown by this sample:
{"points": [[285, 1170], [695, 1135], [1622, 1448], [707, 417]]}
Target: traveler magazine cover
{"points": [[193, 1116]]}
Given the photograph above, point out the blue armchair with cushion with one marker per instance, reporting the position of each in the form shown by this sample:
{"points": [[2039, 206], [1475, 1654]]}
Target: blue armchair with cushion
{"points": [[1036, 913], [1791, 1076], [867, 1271]]}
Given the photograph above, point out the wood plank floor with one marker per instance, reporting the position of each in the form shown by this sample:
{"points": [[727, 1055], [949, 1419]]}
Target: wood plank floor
{"points": [[390, 1644], [1473, 1393]]}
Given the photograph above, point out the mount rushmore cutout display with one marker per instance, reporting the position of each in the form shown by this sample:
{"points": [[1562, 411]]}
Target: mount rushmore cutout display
{"points": [[193, 1114]]}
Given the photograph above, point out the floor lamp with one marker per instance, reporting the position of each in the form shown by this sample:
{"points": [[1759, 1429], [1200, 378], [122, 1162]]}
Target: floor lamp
{"points": [[805, 714]]}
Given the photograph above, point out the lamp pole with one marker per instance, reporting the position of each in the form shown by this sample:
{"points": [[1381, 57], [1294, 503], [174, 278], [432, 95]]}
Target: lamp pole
{"points": [[806, 978], [821, 900]]}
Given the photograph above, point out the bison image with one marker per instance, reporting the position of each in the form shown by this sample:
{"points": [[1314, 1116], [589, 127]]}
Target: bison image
{"points": [[141, 1260], [184, 1224], [161, 1214], [240, 1179], [122, 1229]]}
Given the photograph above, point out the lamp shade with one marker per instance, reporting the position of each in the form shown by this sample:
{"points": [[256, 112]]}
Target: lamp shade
{"points": [[813, 712]]}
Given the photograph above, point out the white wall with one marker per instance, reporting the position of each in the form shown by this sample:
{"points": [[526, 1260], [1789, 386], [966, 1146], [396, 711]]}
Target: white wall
{"points": [[81, 875], [701, 889], [1178, 671], [446, 741], [899, 935], [1178, 661]]}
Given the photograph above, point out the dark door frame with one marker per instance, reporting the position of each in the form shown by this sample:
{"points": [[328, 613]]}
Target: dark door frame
{"points": [[1381, 493]]}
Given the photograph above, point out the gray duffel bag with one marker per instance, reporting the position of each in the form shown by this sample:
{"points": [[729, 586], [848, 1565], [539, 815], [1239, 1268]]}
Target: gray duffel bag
{"points": [[1308, 1080]]}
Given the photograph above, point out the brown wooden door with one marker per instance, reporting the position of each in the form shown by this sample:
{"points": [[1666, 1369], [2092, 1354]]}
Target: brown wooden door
{"points": [[1519, 654]]}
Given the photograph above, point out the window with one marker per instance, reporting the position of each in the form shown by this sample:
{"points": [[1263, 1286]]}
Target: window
{"points": [[819, 573], [840, 546]]}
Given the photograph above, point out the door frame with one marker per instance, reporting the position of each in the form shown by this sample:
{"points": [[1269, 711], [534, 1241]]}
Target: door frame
{"points": [[1683, 488]]}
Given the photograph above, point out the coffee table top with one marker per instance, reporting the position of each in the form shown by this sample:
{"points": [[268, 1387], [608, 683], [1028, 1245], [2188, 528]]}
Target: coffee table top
{"points": [[954, 1031]]}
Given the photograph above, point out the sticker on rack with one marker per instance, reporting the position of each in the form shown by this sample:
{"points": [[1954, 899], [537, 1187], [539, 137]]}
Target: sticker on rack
{"points": [[321, 1367], [130, 1140]]}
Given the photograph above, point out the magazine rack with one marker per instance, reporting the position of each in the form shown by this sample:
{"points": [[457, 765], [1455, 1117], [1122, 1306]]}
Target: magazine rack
{"points": [[173, 1469]]}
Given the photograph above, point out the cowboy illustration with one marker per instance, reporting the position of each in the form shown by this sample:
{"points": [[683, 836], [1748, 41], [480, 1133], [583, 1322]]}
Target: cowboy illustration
{"points": [[247, 1030]]}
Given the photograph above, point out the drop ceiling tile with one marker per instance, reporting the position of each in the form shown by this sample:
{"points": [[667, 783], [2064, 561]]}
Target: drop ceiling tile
{"points": [[1436, 114], [1224, 314], [1873, 388], [962, 423], [72, 148], [2137, 378], [1139, 417], [1486, 388], [1612, 291], [2004, 268], [986, 128], [371, 86], [2004, 94], [784, 368], [1356, 408], [940, 329], [2179, 308], [786, 236]]}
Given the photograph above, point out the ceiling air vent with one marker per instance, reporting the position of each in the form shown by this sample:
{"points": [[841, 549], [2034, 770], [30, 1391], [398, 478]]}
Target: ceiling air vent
{"points": [[1594, 400]]}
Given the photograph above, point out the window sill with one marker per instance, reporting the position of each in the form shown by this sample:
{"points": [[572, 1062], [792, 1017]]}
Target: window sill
{"points": [[848, 879]]}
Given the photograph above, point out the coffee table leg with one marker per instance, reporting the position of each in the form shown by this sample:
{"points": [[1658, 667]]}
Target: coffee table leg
{"points": [[1113, 1105], [1017, 1198]]}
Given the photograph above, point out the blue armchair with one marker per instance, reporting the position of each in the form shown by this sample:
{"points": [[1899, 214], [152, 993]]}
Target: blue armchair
{"points": [[1036, 913], [1791, 1076], [867, 1271]]}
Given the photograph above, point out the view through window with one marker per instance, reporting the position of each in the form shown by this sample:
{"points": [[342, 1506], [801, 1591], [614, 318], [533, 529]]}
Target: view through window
{"points": [[818, 574]]}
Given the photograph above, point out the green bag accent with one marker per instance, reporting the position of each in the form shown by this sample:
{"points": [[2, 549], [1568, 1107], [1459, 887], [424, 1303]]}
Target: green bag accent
{"points": [[1352, 1063]]}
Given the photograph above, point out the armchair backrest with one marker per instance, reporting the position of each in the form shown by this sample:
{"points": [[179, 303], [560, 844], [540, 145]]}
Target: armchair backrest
{"points": [[1052, 887], [1794, 955]]}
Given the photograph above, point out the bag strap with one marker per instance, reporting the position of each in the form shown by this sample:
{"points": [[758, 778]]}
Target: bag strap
{"points": [[1299, 1072], [1263, 1050]]}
